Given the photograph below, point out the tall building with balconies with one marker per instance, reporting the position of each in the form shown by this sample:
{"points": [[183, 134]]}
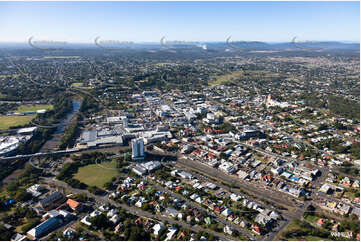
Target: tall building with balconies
{"points": [[138, 149]]}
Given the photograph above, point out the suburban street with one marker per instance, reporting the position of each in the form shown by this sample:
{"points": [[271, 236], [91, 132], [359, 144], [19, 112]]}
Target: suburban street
{"points": [[218, 218], [138, 212]]}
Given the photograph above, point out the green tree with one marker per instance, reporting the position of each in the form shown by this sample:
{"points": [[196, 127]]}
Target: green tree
{"points": [[22, 195], [99, 222], [5, 234]]}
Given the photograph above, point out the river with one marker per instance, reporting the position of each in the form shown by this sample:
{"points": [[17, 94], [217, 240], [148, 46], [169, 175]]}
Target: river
{"points": [[54, 141]]}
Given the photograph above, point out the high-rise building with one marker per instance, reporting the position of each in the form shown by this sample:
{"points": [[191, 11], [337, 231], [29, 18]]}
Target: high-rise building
{"points": [[125, 122], [138, 149]]}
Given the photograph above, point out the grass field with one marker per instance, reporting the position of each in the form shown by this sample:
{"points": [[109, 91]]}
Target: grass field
{"points": [[33, 108], [293, 226], [60, 57], [10, 75], [239, 74], [93, 175], [9, 121], [312, 219], [165, 63], [227, 77], [307, 238]]}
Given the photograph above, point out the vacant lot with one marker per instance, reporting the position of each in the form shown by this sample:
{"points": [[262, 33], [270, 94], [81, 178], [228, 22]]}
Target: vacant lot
{"points": [[33, 108], [9, 121], [94, 175]]}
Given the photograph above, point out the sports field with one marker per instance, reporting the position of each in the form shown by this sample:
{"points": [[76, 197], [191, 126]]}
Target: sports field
{"points": [[9, 121], [94, 175]]}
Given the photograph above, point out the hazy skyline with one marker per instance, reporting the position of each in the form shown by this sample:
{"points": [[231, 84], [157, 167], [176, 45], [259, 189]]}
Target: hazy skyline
{"points": [[188, 21]]}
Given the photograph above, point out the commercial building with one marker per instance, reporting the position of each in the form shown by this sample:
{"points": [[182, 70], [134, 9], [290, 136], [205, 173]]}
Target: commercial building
{"points": [[144, 168], [139, 170], [27, 131], [53, 200], [156, 136], [185, 175], [94, 138], [35, 190], [114, 120], [152, 165], [249, 131]]}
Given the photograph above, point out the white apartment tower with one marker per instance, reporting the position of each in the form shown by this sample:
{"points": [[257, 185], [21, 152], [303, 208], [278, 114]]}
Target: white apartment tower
{"points": [[138, 149], [125, 122]]}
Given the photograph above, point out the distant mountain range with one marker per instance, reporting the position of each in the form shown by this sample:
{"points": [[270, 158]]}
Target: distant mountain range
{"points": [[244, 45], [287, 45]]}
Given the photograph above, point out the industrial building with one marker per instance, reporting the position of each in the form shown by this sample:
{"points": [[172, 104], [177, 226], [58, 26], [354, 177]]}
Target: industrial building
{"points": [[44, 228]]}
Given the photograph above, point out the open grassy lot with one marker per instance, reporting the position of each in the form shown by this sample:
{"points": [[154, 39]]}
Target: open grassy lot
{"points": [[306, 238], [33, 108], [60, 57], [239, 74], [312, 219], [10, 75], [227, 77], [165, 63], [94, 175], [9, 121], [300, 230]]}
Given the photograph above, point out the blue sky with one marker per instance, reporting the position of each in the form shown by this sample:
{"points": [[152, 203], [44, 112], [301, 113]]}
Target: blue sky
{"points": [[188, 21]]}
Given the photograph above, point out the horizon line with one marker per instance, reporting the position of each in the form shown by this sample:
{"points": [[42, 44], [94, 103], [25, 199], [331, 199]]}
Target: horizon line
{"points": [[200, 41]]}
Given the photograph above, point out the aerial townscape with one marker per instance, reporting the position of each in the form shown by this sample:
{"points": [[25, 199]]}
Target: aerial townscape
{"points": [[176, 140]]}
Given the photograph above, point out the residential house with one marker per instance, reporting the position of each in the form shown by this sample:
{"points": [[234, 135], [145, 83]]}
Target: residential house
{"points": [[74, 205], [69, 234], [320, 222], [256, 229], [227, 230], [158, 228]]}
